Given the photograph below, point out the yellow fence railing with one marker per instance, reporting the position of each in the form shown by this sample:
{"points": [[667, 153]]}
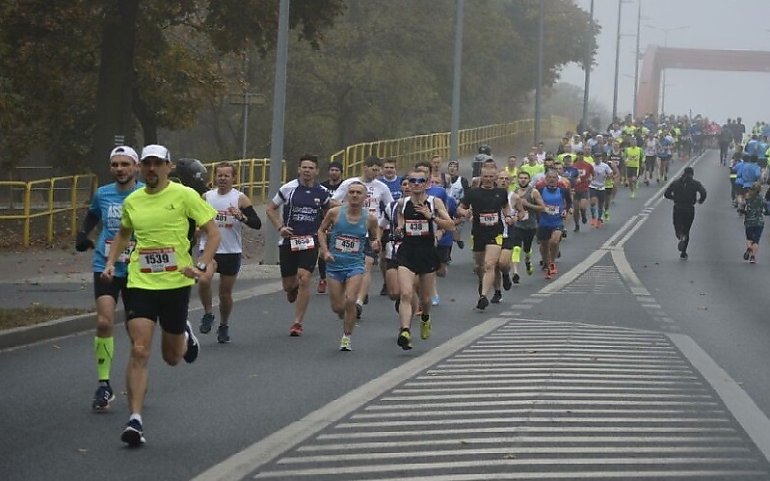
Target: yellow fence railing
{"points": [[406, 151], [252, 176], [50, 207]]}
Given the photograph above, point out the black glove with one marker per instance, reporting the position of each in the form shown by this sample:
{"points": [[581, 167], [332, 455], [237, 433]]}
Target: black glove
{"points": [[82, 242]]}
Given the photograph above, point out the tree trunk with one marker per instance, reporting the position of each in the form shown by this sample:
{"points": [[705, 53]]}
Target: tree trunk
{"points": [[116, 78]]}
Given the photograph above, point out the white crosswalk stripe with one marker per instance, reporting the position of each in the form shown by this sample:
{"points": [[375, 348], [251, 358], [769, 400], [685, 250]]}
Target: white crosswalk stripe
{"points": [[538, 400]]}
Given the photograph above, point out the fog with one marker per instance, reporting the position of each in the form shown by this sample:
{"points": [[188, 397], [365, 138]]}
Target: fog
{"points": [[707, 24]]}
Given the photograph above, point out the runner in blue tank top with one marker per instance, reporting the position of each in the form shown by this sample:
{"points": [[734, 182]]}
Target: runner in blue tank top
{"points": [[348, 226], [107, 208]]}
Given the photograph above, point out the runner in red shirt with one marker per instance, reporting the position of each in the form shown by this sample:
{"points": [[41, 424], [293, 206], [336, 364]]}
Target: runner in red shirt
{"points": [[580, 194]]}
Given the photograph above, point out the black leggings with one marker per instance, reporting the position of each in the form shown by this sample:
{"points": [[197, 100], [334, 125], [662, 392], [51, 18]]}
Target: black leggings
{"points": [[682, 223]]}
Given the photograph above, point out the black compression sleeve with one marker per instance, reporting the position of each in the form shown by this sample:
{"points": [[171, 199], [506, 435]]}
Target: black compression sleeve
{"points": [[252, 219], [90, 222]]}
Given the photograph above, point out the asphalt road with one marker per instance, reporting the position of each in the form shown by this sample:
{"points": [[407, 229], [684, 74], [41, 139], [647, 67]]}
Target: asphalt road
{"points": [[631, 364]]}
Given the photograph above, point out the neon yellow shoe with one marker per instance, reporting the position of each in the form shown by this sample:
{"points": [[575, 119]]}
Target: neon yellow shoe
{"points": [[405, 339], [425, 328], [345, 343]]}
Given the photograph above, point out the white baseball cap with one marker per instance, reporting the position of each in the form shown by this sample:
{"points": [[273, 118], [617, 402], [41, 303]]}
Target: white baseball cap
{"points": [[154, 150], [124, 150]]}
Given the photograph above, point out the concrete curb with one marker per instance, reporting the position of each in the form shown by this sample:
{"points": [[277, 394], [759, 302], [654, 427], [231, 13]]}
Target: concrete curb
{"points": [[65, 326]]}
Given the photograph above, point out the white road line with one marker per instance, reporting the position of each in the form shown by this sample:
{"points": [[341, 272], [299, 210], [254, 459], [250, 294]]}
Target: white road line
{"points": [[545, 402], [336, 457], [248, 460], [517, 440], [628, 274], [738, 402], [529, 419], [481, 412], [565, 279], [487, 463]]}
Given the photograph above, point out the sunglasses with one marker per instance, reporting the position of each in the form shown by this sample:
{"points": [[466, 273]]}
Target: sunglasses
{"points": [[417, 180]]}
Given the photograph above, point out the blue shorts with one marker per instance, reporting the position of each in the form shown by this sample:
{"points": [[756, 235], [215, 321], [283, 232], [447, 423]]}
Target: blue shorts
{"points": [[345, 274]]}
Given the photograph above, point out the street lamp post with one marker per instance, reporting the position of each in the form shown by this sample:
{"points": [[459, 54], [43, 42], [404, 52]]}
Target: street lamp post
{"points": [[665, 31]]}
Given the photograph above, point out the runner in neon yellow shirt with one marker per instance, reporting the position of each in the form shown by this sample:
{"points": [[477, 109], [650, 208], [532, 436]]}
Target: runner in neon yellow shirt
{"points": [[633, 159], [160, 273]]}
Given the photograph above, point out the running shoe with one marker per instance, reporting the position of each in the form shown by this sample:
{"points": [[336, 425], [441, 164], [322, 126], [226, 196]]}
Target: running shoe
{"points": [[530, 268], [366, 299], [291, 296], [563, 233], [359, 310], [223, 334], [665, 178], [461, 244], [496, 297], [682, 245], [321, 286], [683, 255], [193, 347], [606, 215], [577, 228], [483, 303], [206, 321], [747, 254], [435, 300], [295, 330], [583, 217], [633, 194], [404, 339], [753, 259], [646, 182], [345, 343], [133, 434], [516, 278], [384, 290], [506, 281], [425, 327], [102, 398], [552, 268]]}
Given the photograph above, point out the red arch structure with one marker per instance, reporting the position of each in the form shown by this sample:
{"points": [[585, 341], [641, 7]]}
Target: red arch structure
{"points": [[658, 58]]}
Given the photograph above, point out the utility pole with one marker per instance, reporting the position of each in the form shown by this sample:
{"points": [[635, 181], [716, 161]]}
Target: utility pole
{"points": [[270, 255], [539, 86], [454, 136], [636, 63], [617, 63], [587, 62]]}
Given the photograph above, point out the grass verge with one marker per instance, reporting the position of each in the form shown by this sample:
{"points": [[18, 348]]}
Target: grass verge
{"points": [[29, 316]]}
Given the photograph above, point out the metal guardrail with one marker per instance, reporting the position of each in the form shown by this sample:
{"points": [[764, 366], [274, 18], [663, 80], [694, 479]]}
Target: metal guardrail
{"points": [[44, 200], [52, 206]]}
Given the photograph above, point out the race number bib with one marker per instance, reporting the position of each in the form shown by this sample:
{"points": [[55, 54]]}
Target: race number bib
{"points": [[161, 259], [347, 244], [125, 255], [224, 220], [552, 209], [302, 243], [489, 219], [416, 228]]}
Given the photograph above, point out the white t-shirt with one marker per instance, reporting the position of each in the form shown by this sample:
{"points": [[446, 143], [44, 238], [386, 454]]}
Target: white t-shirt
{"points": [[379, 195], [601, 172]]}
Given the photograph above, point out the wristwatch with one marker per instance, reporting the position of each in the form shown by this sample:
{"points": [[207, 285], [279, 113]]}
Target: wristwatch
{"points": [[201, 266]]}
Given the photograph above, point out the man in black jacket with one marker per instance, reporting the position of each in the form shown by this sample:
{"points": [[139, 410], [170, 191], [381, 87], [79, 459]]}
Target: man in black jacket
{"points": [[685, 191]]}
